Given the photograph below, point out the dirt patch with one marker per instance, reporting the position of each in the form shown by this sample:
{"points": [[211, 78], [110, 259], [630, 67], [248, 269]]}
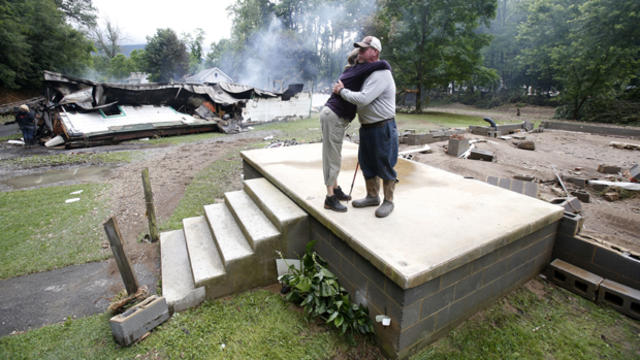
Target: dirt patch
{"points": [[570, 153], [171, 170], [536, 287]]}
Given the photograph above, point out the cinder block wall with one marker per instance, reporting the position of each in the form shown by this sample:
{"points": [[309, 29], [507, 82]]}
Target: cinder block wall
{"points": [[420, 315]]}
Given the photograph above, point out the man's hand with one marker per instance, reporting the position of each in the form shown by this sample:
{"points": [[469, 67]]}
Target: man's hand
{"points": [[337, 87]]}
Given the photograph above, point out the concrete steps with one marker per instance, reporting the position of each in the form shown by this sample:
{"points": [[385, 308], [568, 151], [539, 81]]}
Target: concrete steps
{"points": [[233, 247]]}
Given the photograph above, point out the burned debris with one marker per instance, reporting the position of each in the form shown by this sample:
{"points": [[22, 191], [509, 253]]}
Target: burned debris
{"points": [[77, 112]]}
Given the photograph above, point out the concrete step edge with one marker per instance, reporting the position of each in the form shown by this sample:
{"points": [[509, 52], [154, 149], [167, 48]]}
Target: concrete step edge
{"points": [[274, 203], [228, 238], [253, 223], [206, 263]]}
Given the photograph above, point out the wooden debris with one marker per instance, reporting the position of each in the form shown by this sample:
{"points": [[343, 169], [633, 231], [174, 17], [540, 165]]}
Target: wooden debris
{"points": [[609, 169], [611, 196]]}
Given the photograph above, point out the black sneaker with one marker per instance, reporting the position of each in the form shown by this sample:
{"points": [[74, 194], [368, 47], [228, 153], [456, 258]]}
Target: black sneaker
{"points": [[332, 202], [341, 195]]}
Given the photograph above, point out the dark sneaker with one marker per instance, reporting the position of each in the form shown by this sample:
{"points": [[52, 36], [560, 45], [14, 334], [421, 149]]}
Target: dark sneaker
{"points": [[385, 209], [340, 194], [332, 202]]}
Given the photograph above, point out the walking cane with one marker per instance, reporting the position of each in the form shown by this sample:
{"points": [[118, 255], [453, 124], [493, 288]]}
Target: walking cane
{"points": [[354, 179]]}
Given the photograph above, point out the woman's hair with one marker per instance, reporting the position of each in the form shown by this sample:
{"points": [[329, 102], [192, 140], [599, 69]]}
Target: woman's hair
{"points": [[352, 59]]}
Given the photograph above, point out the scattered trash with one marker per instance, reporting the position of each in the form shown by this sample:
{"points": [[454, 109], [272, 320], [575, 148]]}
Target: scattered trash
{"points": [[76, 192], [519, 137], [611, 196], [408, 154], [580, 182], [626, 146], [276, 144], [145, 139], [383, 319], [283, 265], [71, 200], [524, 177], [634, 173], [15, 142], [55, 141], [222, 346], [617, 184], [268, 138], [609, 169]]}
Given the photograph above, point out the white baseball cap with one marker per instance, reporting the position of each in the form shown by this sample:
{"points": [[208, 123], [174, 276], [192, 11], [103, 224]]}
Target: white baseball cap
{"points": [[369, 41]]}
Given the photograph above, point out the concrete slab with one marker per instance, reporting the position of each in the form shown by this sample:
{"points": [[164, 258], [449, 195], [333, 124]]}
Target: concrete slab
{"points": [[255, 225], [422, 238], [276, 205], [232, 244]]}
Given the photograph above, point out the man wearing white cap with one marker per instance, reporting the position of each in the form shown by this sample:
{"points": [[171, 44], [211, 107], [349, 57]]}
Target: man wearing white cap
{"points": [[378, 151]]}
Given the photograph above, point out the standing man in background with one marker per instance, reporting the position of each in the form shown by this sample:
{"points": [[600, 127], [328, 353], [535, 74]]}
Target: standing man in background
{"points": [[27, 125], [378, 151]]}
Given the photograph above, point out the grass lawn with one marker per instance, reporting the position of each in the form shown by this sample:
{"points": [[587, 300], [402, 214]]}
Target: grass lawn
{"points": [[39, 231], [546, 324], [71, 159]]}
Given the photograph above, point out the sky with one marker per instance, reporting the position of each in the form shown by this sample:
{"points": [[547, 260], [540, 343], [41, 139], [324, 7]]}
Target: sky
{"points": [[138, 19]]}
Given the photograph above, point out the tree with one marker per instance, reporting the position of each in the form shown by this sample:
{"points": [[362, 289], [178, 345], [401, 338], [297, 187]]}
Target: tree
{"points": [[35, 37], [81, 12], [194, 43], [108, 40], [433, 42], [166, 56], [587, 49]]}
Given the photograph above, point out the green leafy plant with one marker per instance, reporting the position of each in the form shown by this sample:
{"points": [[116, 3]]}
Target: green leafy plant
{"points": [[317, 291]]}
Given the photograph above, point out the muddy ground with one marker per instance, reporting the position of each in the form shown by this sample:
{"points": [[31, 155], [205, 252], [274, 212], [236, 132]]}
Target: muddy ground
{"points": [[173, 167]]}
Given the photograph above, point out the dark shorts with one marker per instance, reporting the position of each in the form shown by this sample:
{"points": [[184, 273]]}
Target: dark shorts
{"points": [[378, 151]]}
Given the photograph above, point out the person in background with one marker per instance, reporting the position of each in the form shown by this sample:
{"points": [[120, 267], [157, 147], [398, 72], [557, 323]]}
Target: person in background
{"points": [[335, 117], [27, 125]]}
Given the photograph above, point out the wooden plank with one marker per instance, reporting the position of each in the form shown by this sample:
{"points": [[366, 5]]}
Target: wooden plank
{"points": [[128, 277], [151, 212]]}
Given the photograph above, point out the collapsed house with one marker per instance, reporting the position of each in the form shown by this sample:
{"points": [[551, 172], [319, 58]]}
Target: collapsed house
{"points": [[78, 112]]}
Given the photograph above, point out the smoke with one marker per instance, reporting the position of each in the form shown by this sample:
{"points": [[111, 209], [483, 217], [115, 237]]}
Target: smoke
{"points": [[312, 49]]}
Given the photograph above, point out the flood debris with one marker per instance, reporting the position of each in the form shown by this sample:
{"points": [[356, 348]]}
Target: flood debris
{"points": [[77, 112], [582, 195], [569, 203], [609, 169], [478, 154], [408, 154], [497, 130], [410, 137], [458, 145], [634, 173], [525, 145], [626, 146]]}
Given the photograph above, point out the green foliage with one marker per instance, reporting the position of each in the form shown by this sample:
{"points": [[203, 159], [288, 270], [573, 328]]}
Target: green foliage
{"points": [[587, 49], [317, 291], [35, 37], [166, 56], [69, 159], [434, 42], [39, 231]]}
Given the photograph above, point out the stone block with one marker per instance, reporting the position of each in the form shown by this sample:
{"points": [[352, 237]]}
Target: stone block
{"points": [[570, 204], [583, 196], [526, 145], [131, 325], [457, 147], [574, 279], [504, 183], [517, 186], [580, 182], [484, 155], [622, 298], [531, 189], [609, 169], [437, 302], [493, 180], [570, 224], [419, 139]]}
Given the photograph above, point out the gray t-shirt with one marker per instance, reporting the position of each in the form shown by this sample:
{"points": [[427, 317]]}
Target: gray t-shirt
{"points": [[376, 100]]}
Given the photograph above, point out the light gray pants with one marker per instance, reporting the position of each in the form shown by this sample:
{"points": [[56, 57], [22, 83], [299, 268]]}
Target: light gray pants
{"points": [[333, 130]]}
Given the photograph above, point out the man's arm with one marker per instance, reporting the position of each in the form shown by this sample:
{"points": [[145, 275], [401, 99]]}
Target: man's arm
{"points": [[371, 89]]}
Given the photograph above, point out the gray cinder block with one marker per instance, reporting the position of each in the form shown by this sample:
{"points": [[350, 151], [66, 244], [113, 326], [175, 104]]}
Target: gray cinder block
{"points": [[570, 224], [574, 279], [140, 319], [457, 146], [622, 298], [477, 154]]}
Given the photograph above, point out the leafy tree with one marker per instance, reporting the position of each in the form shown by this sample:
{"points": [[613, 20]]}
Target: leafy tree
{"points": [[138, 61], [79, 11], [434, 42], [35, 37], [194, 43], [108, 40], [586, 49], [120, 67], [166, 56]]}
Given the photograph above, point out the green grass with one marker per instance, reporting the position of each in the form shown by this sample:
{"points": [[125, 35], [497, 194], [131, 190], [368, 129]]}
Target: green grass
{"points": [[209, 184], [39, 231], [70, 159], [558, 325], [260, 325], [16, 136], [251, 325], [303, 130]]}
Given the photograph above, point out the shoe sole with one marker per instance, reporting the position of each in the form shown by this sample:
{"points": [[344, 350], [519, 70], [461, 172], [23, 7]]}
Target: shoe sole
{"points": [[336, 210]]}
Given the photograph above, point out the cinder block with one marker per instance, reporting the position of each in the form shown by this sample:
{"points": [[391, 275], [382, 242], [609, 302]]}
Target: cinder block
{"points": [[634, 173], [570, 224], [580, 182], [622, 298], [531, 189], [608, 169], [477, 154], [493, 180], [140, 319], [582, 195], [457, 146], [574, 279]]}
